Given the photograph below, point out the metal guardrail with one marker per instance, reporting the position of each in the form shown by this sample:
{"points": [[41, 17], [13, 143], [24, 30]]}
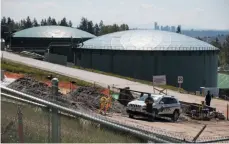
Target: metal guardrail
{"points": [[7, 92]]}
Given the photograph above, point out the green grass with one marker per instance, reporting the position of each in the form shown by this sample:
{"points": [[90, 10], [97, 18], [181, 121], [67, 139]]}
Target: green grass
{"points": [[131, 79], [35, 127], [41, 75]]}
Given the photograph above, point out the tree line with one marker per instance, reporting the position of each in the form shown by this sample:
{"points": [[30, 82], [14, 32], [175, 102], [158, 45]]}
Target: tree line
{"points": [[85, 25], [224, 51], [93, 28]]}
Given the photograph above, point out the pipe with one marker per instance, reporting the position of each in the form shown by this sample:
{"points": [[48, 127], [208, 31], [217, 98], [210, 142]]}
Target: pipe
{"points": [[82, 115]]}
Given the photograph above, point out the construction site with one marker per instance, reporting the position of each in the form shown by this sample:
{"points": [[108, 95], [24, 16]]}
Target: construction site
{"points": [[213, 125]]}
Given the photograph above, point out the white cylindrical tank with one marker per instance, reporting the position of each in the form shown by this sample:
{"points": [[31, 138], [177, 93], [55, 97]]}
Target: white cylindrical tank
{"points": [[3, 45]]}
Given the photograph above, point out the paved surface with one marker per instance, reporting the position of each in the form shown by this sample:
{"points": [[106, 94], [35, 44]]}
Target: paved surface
{"points": [[104, 80], [181, 129]]}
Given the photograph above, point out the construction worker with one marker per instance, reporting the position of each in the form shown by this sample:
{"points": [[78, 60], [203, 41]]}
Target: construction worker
{"points": [[105, 103], [149, 106], [108, 102], [102, 103]]}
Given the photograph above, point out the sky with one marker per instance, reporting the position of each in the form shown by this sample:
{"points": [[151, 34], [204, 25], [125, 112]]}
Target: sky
{"points": [[196, 14]]}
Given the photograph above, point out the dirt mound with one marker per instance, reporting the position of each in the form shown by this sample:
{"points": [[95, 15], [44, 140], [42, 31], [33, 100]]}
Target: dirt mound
{"points": [[31, 86], [89, 98], [82, 98]]}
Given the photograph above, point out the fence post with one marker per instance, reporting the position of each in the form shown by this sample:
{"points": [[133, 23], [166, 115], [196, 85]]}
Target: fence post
{"points": [[55, 115], [55, 126], [20, 126]]}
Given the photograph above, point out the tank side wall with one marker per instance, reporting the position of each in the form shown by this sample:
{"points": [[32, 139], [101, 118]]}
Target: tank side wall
{"points": [[197, 68]]}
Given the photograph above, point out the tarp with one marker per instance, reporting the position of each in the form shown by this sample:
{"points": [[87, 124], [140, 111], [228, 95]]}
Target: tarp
{"points": [[223, 81], [115, 96], [106, 92]]}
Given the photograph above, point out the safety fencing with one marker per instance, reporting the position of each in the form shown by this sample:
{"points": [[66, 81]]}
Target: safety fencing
{"points": [[30, 119]]}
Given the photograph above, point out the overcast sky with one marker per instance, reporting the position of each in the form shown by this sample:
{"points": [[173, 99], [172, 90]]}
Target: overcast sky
{"points": [[197, 14]]}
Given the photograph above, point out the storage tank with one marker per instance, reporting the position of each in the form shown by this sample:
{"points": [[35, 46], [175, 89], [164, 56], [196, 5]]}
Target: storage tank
{"points": [[142, 54]]}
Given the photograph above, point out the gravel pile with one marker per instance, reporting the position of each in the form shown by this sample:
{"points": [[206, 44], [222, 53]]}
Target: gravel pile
{"points": [[31, 86], [89, 98]]}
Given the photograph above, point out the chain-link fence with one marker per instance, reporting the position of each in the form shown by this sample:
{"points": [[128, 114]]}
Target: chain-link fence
{"points": [[22, 122]]}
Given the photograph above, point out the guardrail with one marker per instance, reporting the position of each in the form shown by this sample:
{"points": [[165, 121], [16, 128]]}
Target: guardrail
{"points": [[19, 96]]}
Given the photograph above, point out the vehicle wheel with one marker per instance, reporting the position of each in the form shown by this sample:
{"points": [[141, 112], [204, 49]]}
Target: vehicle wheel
{"points": [[175, 116], [131, 116]]}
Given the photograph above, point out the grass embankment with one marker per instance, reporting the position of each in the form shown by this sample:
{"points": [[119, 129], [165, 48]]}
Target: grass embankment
{"points": [[130, 79], [73, 130], [38, 74]]}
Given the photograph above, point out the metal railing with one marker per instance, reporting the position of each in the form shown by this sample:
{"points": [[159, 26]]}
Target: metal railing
{"points": [[55, 117]]}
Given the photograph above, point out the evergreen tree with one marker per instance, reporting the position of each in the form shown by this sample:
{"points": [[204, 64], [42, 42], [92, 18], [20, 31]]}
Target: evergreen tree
{"points": [[3, 21], [216, 43], [83, 24], [70, 23], [96, 29], [35, 23], [114, 28], [101, 28], [122, 27], [42, 22], [63, 22], [29, 24], [53, 22], [226, 50], [49, 21], [45, 22], [90, 27]]}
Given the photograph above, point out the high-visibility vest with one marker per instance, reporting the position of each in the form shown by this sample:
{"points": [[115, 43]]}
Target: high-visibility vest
{"points": [[103, 100]]}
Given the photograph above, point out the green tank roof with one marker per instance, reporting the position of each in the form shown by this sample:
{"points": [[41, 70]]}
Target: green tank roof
{"points": [[53, 31]]}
